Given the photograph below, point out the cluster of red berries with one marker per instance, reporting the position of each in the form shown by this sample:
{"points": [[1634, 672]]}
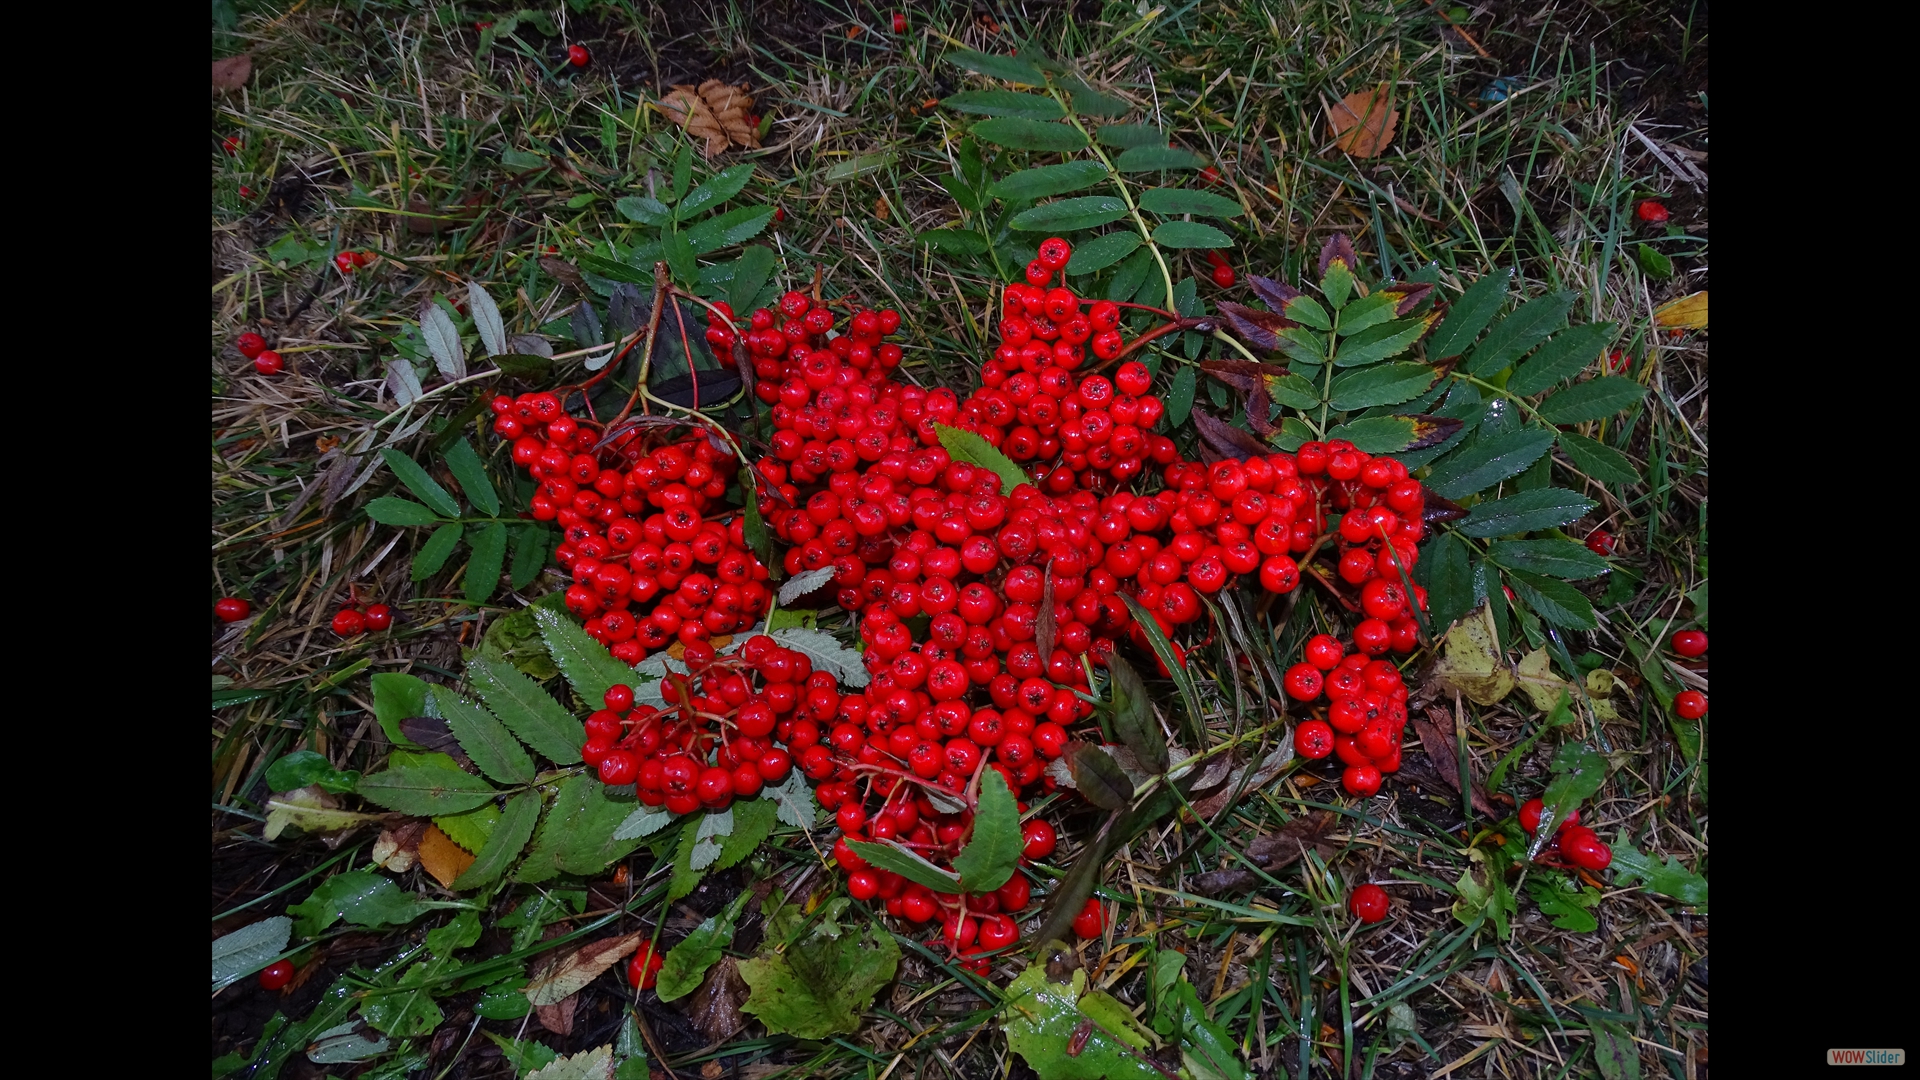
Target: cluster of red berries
{"points": [[254, 347], [1689, 645], [1573, 843], [650, 563], [1223, 275], [1366, 712], [357, 620]]}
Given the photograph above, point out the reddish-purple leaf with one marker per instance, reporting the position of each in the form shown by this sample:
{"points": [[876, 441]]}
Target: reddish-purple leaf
{"points": [[1274, 294], [1429, 430], [1338, 249], [1439, 508], [1225, 439], [1259, 329], [1411, 294]]}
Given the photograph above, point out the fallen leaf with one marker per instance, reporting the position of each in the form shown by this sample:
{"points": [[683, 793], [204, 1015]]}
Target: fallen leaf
{"points": [[231, 74], [424, 218], [443, 858], [595, 1064], [1261, 775], [1473, 663], [399, 845], [1273, 852], [312, 810], [1363, 122], [1436, 738], [715, 1006], [1538, 680], [564, 272], [558, 1017], [564, 976], [1688, 311], [715, 112], [433, 733]]}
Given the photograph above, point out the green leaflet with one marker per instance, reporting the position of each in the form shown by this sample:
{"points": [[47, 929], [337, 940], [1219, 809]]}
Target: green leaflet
{"points": [[999, 67], [725, 185], [993, 854], [489, 544], [577, 834], [1381, 341], [1383, 384], [1667, 878], [1598, 460], [1542, 508], [485, 739], [528, 711], [1128, 136], [1190, 234], [889, 855], [1529, 325], [1448, 580], [1562, 357], [590, 669], [1554, 558], [650, 212], [687, 963], [726, 230], [1469, 315], [1005, 103], [1179, 399], [1183, 201], [1102, 251], [464, 462], [424, 487], [1066, 215], [1489, 461], [1555, 601], [1595, 399], [425, 790], [1578, 772], [391, 510], [1157, 158], [397, 696], [1020, 133], [1046, 180], [1378, 434], [1046, 1027], [1133, 721], [361, 897], [434, 553], [969, 447], [504, 844]]}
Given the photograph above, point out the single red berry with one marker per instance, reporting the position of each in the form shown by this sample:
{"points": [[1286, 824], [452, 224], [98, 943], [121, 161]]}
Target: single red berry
{"points": [[1223, 276], [1690, 643], [1600, 542], [1362, 781], [379, 616], [619, 698], [349, 623], [1580, 846], [621, 767], [779, 214], [268, 363], [578, 56], [231, 145], [343, 262], [1652, 212], [644, 969], [276, 975], [1055, 252], [1038, 273], [899, 23], [1533, 810], [1313, 739], [246, 192], [232, 609], [863, 884], [1210, 174], [1092, 920], [1690, 704], [1368, 903], [1038, 839], [250, 344]]}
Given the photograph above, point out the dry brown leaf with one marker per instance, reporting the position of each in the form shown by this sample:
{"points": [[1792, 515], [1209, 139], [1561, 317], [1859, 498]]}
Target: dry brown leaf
{"points": [[1689, 311], [881, 210], [715, 1006], [564, 272], [1273, 853], [443, 858], [1436, 738], [231, 74], [1363, 122], [715, 112], [564, 976], [557, 1017], [399, 845]]}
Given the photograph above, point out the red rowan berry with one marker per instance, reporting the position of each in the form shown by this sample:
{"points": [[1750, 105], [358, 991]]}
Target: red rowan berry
{"points": [[1368, 903]]}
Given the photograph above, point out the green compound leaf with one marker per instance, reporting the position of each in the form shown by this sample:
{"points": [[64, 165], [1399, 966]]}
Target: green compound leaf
{"points": [[1020, 133], [392, 510], [819, 985], [1030, 184], [1555, 601], [1066, 215], [1157, 158], [1384, 384], [1168, 201], [1562, 357], [991, 857], [889, 855], [1190, 234], [1489, 461], [1598, 460], [971, 448], [1102, 251], [577, 834], [1595, 399], [426, 789], [503, 845], [1542, 508], [1005, 103], [1469, 315], [1528, 326], [435, 552], [1554, 558], [424, 487], [997, 67], [485, 739], [464, 462], [726, 230], [489, 544], [528, 711], [590, 669]]}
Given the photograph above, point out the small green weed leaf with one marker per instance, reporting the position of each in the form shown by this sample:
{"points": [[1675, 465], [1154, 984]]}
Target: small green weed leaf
{"points": [[424, 790], [528, 711], [1066, 215], [392, 510], [1383, 384], [1379, 434], [1578, 772], [248, 949], [590, 669], [794, 800], [1565, 355], [485, 739], [1046, 1027], [1129, 136], [1208, 1052], [682, 172], [1020, 133], [1569, 906], [464, 462], [819, 985], [1598, 460], [1555, 601], [487, 322], [594, 1064], [1528, 326], [650, 212], [424, 487], [1156, 158], [1541, 508], [857, 166], [993, 854], [489, 544], [1102, 251], [307, 767], [1654, 261], [1469, 315], [396, 697], [1169, 201], [343, 1044], [889, 855], [974, 450], [1484, 894], [1614, 1051], [504, 844], [1039, 183], [443, 341], [1133, 721], [687, 963], [1554, 558], [1668, 878], [726, 230], [997, 67], [1381, 341], [1005, 103], [1489, 461], [724, 185], [1189, 234], [361, 897], [1595, 399]]}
